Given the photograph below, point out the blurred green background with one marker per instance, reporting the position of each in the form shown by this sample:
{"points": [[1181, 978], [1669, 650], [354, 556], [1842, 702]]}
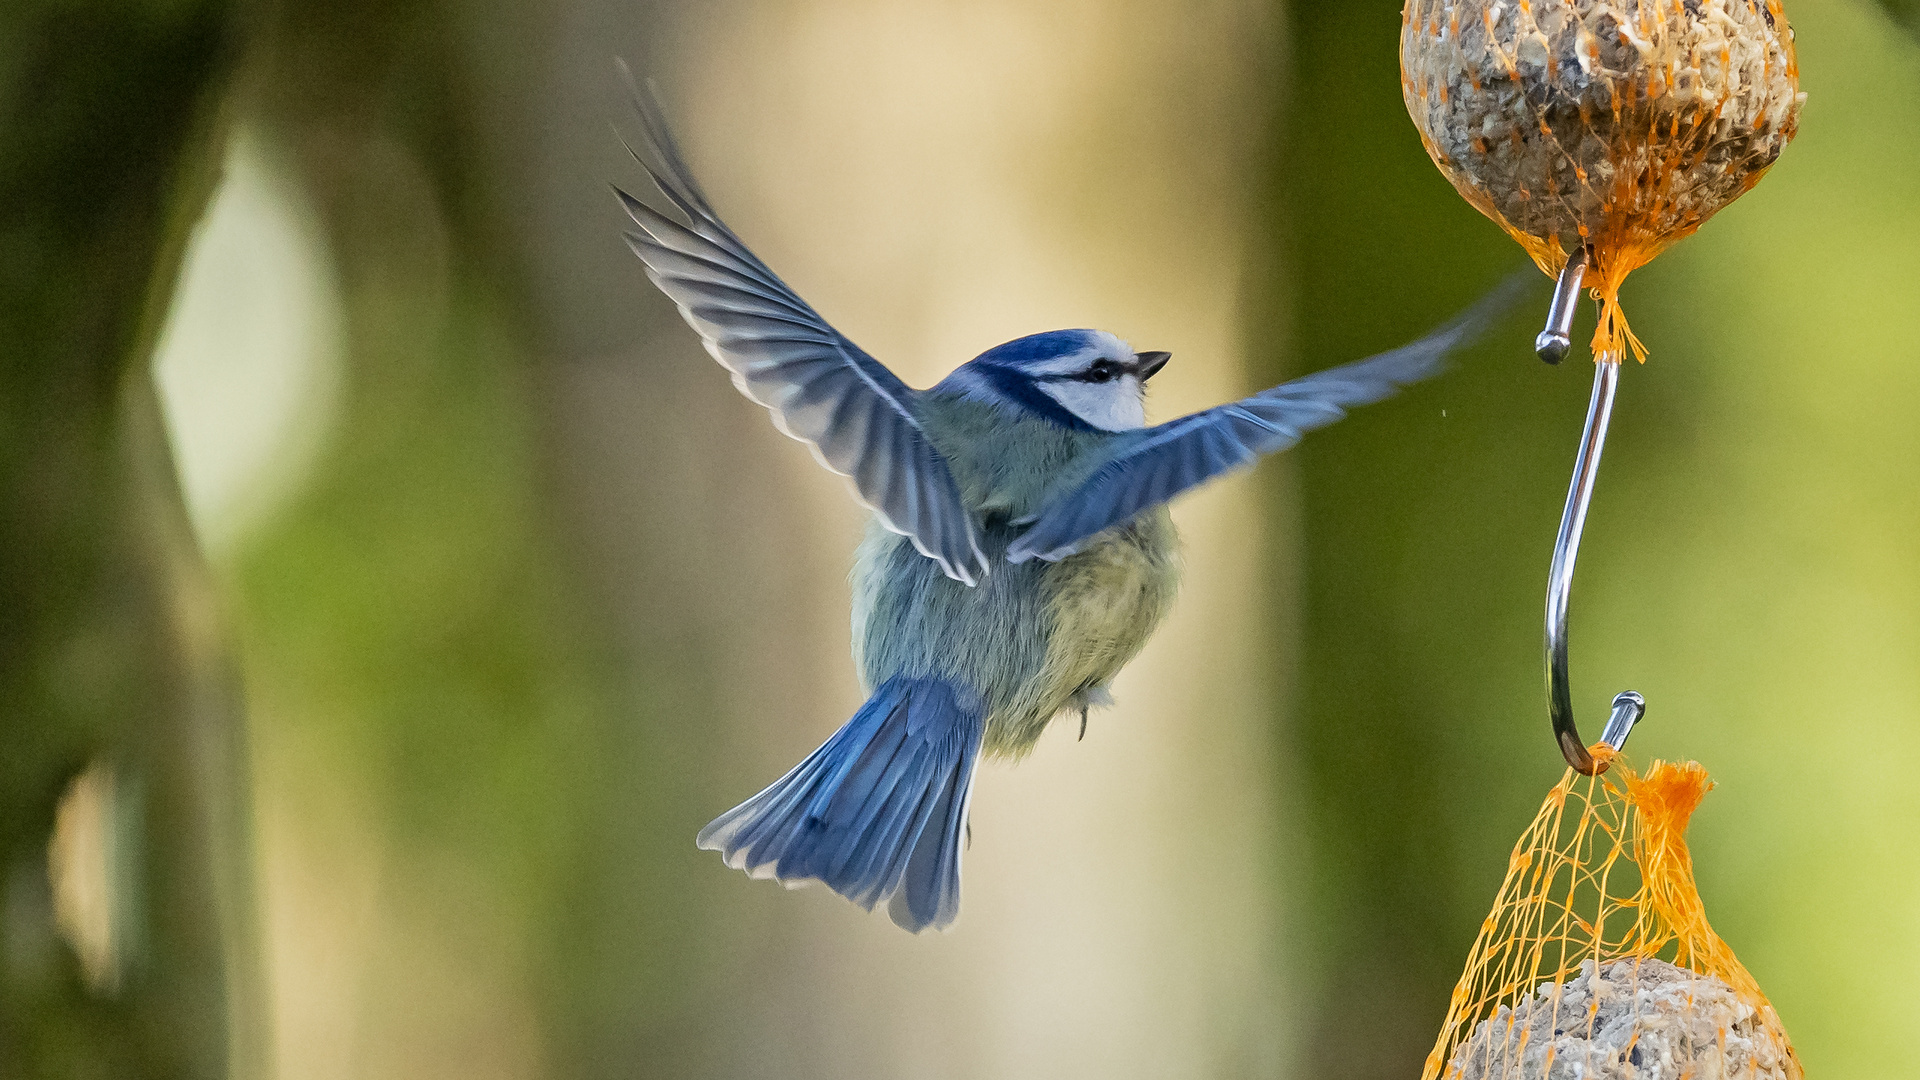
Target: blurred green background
{"points": [[390, 587]]}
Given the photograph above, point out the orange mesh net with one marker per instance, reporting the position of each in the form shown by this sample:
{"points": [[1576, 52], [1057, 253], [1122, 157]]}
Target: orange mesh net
{"points": [[1619, 126], [1598, 949]]}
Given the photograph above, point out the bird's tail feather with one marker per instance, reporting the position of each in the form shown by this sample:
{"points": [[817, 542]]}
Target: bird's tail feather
{"points": [[879, 811]]}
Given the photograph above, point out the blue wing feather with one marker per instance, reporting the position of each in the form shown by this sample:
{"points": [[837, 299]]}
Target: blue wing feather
{"points": [[1148, 467], [822, 389]]}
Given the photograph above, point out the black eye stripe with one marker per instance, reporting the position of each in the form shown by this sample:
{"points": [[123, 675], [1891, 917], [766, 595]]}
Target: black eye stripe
{"points": [[1102, 370]]}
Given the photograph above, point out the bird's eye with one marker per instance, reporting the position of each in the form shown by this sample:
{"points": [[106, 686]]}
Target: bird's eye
{"points": [[1102, 371]]}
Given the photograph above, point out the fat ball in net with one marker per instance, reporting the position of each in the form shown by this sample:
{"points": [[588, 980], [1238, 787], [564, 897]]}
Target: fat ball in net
{"points": [[1597, 961], [1619, 126]]}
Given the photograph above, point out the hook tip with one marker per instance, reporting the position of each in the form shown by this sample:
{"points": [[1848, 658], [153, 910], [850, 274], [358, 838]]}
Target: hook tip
{"points": [[1628, 709], [1552, 346]]}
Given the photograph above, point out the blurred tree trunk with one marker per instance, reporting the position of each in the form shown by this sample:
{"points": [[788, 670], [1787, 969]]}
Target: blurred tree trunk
{"points": [[429, 694], [111, 647]]}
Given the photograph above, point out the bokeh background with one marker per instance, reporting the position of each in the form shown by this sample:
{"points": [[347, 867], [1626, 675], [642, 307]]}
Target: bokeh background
{"points": [[390, 587]]}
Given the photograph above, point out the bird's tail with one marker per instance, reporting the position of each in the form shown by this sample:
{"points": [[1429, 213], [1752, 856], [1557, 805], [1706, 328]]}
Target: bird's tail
{"points": [[879, 811]]}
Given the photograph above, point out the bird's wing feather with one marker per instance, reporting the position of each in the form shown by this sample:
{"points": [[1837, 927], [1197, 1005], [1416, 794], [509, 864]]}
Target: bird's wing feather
{"points": [[1148, 467], [860, 419]]}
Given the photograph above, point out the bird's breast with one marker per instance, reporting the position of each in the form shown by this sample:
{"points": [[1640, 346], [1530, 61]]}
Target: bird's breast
{"points": [[1100, 598], [1103, 604], [1031, 636]]}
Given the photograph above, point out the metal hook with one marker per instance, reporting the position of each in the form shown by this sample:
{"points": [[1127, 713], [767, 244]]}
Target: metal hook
{"points": [[1628, 707], [1557, 338]]}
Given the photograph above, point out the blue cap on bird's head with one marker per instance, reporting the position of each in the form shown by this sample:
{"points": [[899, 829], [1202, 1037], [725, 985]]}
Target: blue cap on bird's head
{"points": [[1069, 353], [1085, 379], [1038, 352]]}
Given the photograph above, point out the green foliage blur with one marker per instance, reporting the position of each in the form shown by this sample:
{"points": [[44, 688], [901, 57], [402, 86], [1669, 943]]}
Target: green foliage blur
{"points": [[1745, 564], [405, 774]]}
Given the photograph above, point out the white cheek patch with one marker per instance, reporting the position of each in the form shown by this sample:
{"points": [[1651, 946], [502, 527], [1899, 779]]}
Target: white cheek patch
{"points": [[1109, 406]]}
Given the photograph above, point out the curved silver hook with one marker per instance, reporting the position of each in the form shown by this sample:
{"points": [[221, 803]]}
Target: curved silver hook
{"points": [[1628, 707]]}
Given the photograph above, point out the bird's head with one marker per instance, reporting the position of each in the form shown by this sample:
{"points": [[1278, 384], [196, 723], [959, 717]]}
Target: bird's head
{"points": [[1075, 378]]}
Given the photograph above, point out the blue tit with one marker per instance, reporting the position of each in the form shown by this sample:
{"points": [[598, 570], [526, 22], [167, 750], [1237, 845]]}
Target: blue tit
{"points": [[1019, 554]]}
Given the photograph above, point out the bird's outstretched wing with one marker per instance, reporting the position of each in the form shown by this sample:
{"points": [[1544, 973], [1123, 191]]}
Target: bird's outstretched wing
{"points": [[1147, 467], [860, 419]]}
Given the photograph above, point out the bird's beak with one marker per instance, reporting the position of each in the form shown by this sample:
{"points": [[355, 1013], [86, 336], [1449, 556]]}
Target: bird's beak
{"points": [[1147, 363]]}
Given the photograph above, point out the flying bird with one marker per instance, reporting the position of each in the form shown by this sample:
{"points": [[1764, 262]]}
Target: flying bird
{"points": [[1019, 553]]}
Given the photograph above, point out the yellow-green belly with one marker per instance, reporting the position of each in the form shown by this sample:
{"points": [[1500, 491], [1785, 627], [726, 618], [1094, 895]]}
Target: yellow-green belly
{"points": [[1101, 605]]}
